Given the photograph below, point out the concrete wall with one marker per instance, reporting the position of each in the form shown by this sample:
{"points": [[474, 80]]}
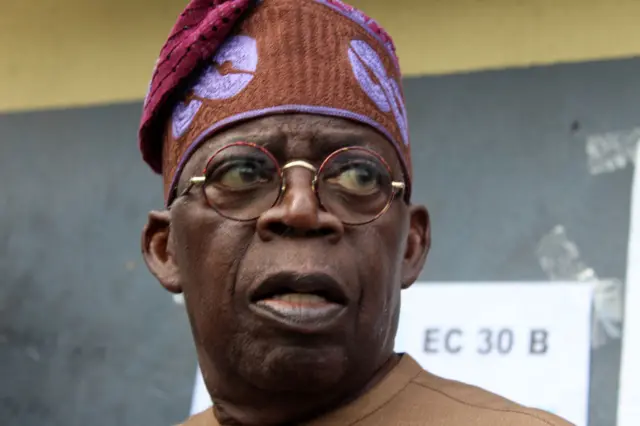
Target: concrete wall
{"points": [[87, 337]]}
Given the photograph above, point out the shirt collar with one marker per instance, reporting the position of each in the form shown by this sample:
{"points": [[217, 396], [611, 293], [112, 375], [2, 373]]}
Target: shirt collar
{"points": [[390, 386]]}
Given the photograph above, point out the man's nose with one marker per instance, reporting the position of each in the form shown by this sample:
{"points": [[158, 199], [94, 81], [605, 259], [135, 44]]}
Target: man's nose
{"points": [[299, 213]]}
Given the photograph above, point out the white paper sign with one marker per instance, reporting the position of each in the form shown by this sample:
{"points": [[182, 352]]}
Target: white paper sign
{"points": [[527, 342], [200, 400], [629, 397]]}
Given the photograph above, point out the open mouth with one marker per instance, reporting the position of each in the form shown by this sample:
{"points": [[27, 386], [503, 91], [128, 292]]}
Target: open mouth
{"points": [[295, 299]]}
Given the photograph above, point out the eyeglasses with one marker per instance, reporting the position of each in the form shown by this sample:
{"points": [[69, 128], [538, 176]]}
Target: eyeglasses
{"points": [[243, 180]]}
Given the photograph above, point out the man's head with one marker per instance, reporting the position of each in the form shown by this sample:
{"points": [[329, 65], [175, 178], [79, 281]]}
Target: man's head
{"points": [[289, 226]]}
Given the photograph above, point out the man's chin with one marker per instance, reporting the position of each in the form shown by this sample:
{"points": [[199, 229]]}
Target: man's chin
{"points": [[296, 369]]}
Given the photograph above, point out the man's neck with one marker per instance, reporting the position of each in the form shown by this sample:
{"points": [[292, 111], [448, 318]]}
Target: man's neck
{"points": [[260, 408]]}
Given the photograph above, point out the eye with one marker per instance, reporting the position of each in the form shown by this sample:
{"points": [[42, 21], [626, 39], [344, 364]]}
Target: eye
{"points": [[240, 174], [357, 178]]}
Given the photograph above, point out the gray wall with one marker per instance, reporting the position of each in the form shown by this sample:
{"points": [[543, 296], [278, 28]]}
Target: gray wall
{"points": [[88, 337]]}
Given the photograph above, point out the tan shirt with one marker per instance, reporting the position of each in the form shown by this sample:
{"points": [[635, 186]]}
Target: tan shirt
{"points": [[410, 396]]}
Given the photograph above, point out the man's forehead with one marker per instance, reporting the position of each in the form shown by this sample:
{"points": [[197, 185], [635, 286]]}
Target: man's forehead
{"points": [[317, 132]]}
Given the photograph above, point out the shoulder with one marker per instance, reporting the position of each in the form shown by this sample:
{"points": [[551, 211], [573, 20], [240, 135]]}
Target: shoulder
{"points": [[206, 418], [486, 408]]}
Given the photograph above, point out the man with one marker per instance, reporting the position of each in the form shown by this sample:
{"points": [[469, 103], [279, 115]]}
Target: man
{"points": [[280, 130]]}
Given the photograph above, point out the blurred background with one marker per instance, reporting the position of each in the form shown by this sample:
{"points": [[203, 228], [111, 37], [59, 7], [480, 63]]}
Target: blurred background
{"points": [[524, 118]]}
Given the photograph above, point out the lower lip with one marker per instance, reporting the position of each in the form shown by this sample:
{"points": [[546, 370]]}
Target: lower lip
{"points": [[303, 316]]}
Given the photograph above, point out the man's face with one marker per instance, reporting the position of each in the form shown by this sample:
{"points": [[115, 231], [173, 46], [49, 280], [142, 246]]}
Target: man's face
{"points": [[235, 275]]}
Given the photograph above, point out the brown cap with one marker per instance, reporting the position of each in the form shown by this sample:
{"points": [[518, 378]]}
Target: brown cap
{"points": [[309, 56]]}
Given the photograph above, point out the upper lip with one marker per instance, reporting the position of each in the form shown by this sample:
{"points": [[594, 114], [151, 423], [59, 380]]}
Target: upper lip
{"points": [[310, 283]]}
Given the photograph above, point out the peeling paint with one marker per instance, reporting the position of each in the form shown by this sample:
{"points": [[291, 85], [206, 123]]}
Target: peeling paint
{"points": [[560, 258], [609, 152]]}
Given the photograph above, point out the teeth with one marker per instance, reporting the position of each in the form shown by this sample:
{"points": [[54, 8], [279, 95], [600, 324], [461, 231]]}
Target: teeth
{"points": [[299, 298]]}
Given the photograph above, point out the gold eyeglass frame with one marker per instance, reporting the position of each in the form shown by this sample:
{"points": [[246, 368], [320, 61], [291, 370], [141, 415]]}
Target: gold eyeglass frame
{"points": [[396, 186]]}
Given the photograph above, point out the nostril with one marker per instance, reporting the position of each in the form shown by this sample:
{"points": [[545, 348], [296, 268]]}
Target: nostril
{"points": [[322, 232], [279, 228], [282, 230]]}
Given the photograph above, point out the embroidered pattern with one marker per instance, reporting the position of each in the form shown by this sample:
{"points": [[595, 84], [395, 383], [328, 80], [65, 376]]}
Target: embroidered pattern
{"points": [[242, 52], [386, 94], [183, 115]]}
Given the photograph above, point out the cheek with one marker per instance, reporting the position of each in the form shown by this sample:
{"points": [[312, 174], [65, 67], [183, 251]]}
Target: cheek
{"points": [[385, 249], [381, 278], [208, 251]]}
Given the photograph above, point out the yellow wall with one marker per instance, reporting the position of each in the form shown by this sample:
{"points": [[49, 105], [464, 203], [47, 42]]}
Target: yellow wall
{"points": [[73, 52]]}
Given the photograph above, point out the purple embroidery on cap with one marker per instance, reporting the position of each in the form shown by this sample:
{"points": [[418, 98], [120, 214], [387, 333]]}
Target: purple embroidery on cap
{"points": [[242, 52], [374, 90], [386, 93], [359, 17], [401, 116], [369, 56], [182, 117]]}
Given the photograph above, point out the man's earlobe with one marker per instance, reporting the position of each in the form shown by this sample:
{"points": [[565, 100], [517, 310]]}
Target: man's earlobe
{"points": [[418, 244], [156, 250]]}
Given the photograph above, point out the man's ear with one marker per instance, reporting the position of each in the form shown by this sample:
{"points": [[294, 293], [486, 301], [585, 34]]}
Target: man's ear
{"points": [[418, 244], [157, 252]]}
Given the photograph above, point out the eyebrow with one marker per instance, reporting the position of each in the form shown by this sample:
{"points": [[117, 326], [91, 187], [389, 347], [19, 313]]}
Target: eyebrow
{"points": [[267, 140], [326, 141], [336, 138]]}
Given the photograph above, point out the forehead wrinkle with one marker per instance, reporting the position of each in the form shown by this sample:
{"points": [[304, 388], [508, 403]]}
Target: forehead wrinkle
{"points": [[319, 136], [339, 137]]}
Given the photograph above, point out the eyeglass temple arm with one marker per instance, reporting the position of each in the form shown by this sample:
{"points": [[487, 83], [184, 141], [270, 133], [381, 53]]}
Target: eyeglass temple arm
{"points": [[193, 182], [398, 187]]}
